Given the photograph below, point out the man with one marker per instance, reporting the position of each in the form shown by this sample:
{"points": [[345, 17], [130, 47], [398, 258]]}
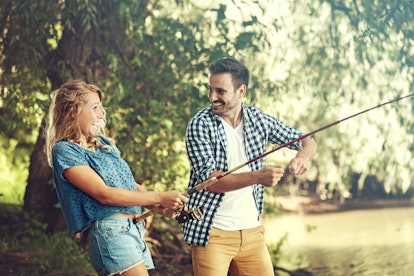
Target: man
{"points": [[230, 237]]}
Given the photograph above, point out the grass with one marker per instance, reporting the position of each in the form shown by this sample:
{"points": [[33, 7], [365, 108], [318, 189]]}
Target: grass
{"points": [[26, 249]]}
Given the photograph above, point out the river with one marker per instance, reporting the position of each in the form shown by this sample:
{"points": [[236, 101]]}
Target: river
{"points": [[359, 242]]}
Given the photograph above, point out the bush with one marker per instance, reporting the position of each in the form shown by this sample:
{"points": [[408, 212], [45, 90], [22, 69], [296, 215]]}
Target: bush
{"points": [[26, 249]]}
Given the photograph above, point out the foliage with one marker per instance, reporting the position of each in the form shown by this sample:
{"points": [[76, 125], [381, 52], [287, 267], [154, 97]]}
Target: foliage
{"points": [[276, 249], [379, 61], [311, 63], [162, 86], [44, 253], [151, 63], [338, 58], [13, 170], [279, 256]]}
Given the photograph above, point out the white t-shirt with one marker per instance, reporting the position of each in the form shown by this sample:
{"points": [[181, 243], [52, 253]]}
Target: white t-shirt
{"points": [[238, 208]]}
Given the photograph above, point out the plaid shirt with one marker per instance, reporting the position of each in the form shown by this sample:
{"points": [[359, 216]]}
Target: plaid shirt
{"points": [[206, 150]]}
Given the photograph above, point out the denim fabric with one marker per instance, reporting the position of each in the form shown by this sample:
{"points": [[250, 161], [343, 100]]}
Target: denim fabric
{"points": [[117, 244]]}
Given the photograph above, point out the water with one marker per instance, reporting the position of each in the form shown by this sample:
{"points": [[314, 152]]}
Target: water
{"points": [[362, 242]]}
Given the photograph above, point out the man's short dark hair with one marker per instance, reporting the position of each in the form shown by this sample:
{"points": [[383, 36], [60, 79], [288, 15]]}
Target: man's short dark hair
{"points": [[239, 72]]}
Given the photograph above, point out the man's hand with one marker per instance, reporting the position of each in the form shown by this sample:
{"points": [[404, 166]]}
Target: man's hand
{"points": [[298, 166], [170, 213], [270, 175]]}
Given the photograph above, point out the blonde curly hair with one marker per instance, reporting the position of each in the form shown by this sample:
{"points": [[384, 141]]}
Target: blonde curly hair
{"points": [[66, 104]]}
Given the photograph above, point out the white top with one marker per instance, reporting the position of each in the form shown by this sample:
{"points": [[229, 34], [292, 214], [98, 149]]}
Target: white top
{"points": [[238, 209]]}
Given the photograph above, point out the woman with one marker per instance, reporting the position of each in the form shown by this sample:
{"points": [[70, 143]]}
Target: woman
{"points": [[95, 186]]}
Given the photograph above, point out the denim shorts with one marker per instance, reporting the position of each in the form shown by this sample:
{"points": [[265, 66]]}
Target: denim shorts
{"points": [[117, 244]]}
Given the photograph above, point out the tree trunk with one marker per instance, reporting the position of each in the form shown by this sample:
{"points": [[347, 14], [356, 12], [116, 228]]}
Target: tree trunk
{"points": [[40, 199]]}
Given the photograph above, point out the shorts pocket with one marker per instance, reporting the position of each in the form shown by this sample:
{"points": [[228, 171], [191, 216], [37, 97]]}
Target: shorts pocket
{"points": [[113, 228]]}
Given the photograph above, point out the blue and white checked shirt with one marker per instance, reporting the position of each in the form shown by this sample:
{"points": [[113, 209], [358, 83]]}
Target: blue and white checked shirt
{"points": [[206, 150]]}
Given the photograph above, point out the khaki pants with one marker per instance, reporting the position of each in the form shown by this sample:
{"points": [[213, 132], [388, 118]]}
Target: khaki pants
{"points": [[242, 252]]}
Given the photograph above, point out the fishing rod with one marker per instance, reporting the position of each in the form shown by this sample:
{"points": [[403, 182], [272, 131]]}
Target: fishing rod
{"points": [[197, 212]]}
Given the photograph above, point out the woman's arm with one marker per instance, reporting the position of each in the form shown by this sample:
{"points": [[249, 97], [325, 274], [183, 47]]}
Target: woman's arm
{"points": [[87, 180]]}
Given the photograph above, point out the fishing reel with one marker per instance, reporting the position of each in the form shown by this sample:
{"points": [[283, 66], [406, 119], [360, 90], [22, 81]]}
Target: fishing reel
{"points": [[194, 213]]}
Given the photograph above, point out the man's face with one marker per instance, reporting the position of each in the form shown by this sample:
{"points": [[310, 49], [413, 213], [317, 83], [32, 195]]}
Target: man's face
{"points": [[225, 99]]}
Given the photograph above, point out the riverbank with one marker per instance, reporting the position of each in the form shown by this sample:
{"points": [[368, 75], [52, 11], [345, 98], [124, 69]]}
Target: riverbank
{"points": [[308, 205]]}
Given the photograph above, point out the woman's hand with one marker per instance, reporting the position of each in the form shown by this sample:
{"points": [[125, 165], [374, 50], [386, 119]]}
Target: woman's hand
{"points": [[172, 200]]}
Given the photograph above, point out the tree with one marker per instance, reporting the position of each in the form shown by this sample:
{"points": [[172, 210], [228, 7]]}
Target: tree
{"points": [[149, 61], [383, 43], [328, 57], [339, 58]]}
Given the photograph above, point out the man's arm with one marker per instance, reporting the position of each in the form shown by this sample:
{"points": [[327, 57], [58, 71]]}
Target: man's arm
{"points": [[268, 176]]}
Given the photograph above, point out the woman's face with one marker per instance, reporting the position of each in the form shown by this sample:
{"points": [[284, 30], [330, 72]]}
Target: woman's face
{"points": [[90, 115]]}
